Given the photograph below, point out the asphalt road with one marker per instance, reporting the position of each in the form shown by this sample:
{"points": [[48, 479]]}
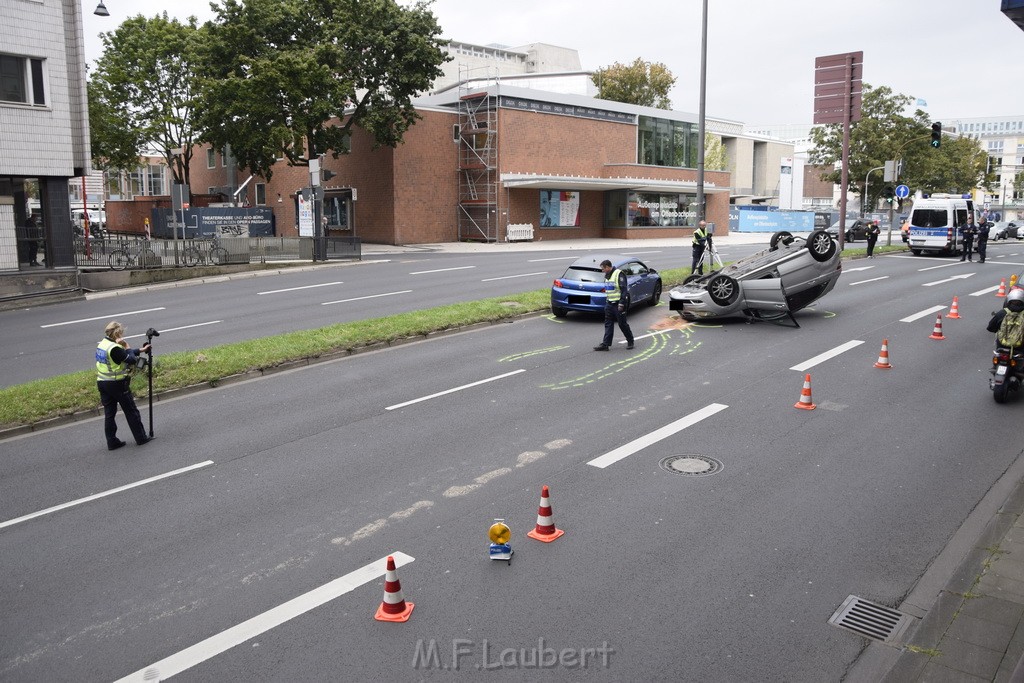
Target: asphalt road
{"points": [[265, 561], [56, 339]]}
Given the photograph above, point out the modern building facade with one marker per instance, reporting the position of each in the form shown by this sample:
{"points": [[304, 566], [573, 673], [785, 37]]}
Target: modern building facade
{"points": [[44, 141], [1003, 139]]}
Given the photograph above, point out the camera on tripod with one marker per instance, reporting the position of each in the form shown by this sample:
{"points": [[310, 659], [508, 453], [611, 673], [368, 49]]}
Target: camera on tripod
{"points": [[150, 333]]}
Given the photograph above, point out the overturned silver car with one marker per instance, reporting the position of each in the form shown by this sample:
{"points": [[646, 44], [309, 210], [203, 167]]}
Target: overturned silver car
{"points": [[769, 285]]}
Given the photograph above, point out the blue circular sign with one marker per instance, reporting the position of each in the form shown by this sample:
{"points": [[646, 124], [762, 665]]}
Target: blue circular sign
{"points": [[902, 191]]}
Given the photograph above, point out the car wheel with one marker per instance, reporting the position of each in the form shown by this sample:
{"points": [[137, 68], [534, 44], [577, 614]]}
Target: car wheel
{"points": [[559, 312], [849, 237], [783, 236], [821, 245], [723, 290], [656, 296], [915, 252]]}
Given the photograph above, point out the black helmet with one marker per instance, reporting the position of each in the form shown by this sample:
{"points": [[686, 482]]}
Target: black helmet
{"points": [[1015, 300]]}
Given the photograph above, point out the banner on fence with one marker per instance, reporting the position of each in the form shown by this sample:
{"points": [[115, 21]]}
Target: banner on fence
{"points": [[224, 221]]}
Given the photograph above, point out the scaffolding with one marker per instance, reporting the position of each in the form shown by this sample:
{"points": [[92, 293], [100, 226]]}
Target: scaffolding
{"points": [[477, 137]]}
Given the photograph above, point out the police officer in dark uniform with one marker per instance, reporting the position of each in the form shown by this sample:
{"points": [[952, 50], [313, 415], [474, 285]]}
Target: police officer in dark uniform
{"points": [[616, 306], [967, 232], [700, 240], [983, 232], [114, 360]]}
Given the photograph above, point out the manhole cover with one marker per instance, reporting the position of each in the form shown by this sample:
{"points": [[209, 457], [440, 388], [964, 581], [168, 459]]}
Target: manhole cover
{"points": [[692, 465]]}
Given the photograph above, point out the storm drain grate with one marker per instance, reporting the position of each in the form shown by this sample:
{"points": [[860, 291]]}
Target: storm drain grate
{"points": [[871, 620], [692, 465]]}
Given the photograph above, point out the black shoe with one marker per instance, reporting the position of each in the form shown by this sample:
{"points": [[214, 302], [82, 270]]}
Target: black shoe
{"points": [[117, 445], [145, 441], [600, 347], [629, 345]]}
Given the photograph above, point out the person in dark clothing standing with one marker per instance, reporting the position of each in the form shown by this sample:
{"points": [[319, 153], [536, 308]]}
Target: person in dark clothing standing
{"points": [[872, 237], [967, 232], [700, 240], [32, 234], [615, 307], [983, 227], [114, 359]]}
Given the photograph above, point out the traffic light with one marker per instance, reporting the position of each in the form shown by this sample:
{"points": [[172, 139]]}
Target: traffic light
{"points": [[936, 135], [888, 194]]}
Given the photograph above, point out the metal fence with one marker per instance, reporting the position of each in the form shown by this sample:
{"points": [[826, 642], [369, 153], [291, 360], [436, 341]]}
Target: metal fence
{"points": [[135, 252]]}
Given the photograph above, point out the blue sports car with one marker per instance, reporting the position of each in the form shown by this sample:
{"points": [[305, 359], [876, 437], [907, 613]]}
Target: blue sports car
{"points": [[582, 287]]}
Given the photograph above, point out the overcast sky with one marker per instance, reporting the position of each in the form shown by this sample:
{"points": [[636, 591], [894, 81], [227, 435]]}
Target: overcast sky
{"points": [[963, 57]]}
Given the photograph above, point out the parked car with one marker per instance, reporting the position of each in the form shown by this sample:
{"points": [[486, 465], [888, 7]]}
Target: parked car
{"points": [[774, 283], [582, 286], [1004, 230], [856, 228]]}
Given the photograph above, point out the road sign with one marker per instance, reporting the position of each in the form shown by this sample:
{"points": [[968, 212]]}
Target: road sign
{"points": [[902, 191], [838, 90]]}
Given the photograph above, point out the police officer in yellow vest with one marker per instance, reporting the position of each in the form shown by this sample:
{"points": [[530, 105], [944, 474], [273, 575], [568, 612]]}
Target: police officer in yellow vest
{"points": [[700, 240], [615, 306], [114, 359]]}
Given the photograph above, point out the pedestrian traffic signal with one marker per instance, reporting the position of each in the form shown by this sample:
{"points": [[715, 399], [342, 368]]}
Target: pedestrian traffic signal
{"points": [[936, 135], [888, 194]]}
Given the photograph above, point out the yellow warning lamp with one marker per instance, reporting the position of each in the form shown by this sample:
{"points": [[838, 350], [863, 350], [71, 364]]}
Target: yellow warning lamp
{"points": [[499, 532]]}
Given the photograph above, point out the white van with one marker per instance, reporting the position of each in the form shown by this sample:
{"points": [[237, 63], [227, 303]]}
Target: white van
{"points": [[935, 223], [78, 221]]}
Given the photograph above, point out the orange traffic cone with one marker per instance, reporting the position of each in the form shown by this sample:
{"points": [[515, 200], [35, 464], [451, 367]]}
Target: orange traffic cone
{"points": [[937, 330], [954, 311], [545, 529], [394, 607], [883, 357], [805, 396], [1002, 288]]}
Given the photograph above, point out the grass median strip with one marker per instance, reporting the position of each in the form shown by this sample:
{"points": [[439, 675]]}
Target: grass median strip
{"points": [[63, 395]]}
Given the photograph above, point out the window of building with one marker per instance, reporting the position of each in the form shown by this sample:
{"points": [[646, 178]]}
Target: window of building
{"points": [[22, 80], [648, 209], [662, 142], [211, 158], [336, 211], [559, 209], [156, 179], [136, 183], [261, 194]]}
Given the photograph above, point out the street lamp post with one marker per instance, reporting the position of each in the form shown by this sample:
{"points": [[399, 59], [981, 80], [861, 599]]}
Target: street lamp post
{"points": [[864, 193]]}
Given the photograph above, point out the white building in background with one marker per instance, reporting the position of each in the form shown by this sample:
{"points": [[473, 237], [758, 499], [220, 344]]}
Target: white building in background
{"points": [[1003, 139]]}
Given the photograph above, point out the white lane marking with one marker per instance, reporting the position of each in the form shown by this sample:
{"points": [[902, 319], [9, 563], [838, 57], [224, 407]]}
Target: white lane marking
{"points": [[440, 270], [110, 316], [360, 298], [641, 253], [948, 279], [613, 456], [452, 391], [509, 277], [874, 279], [261, 623], [854, 270], [944, 265], [104, 494], [175, 329], [918, 316], [822, 357], [555, 258], [295, 289], [645, 336], [987, 290]]}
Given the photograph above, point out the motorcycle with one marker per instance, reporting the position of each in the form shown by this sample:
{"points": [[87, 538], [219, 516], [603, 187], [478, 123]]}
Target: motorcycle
{"points": [[1007, 372]]}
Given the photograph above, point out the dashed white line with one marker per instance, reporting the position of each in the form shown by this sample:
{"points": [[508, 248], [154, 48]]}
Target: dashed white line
{"points": [[822, 357], [261, 623], [104, 494], [295, 289], [452, 391], [987, 290], [613, 456], [176, 329], [109, 316], [509, 277], [874, 279], [554, 258], [440, 270], [360, 298], [918, 316]]}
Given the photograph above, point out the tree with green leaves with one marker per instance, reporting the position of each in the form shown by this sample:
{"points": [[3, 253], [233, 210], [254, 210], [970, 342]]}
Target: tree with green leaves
{"points": [[715, 157], [643, 83], [885, 132], [291, 78], [141, 96]]}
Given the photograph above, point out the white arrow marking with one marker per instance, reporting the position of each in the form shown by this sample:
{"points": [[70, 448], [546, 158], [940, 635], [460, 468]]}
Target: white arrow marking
{"points": [[949, 279]]}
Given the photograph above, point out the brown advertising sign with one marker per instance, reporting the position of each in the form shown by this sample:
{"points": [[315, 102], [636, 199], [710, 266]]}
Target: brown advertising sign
{"points": [[837, 81]]}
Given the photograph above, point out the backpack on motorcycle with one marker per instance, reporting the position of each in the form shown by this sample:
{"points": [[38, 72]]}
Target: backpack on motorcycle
{"points": [[1011, 330]]}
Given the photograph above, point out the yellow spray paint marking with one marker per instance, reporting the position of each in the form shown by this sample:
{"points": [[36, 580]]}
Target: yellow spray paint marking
{"points": [[688, 346], [526, 354], [659, 342]]}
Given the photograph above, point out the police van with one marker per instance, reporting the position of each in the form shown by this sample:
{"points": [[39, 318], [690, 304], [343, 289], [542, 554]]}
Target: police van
{"points": [[935, 223]]}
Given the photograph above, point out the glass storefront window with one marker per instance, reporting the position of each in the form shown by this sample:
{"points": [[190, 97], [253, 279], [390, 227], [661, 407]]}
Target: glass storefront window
{"points": [[661, 210], [666, 143]]}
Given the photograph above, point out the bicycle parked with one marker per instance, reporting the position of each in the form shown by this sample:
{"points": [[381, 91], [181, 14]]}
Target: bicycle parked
{"points": [[207, 252], [127, 257]]}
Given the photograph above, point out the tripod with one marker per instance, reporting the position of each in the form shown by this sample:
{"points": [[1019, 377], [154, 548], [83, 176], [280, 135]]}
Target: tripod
{"points": [[709, 257], [150, 333]]}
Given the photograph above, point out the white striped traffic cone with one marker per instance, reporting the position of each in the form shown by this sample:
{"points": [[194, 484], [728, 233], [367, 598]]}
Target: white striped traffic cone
{"points": [[883, 357], [394, 607], [1002, 288], [954, 311], [545, 529], [937, 330], [805, 402]]}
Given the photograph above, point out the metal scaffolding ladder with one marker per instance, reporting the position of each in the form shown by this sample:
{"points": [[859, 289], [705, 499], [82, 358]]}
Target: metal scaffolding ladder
{"points": [[477, 138]]}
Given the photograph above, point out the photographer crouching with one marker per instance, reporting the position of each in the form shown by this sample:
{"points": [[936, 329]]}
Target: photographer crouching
{"points": [[115, 361]]}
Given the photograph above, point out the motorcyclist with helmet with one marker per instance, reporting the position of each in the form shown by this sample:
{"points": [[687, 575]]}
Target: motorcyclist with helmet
{"points": [[1013, 308]]}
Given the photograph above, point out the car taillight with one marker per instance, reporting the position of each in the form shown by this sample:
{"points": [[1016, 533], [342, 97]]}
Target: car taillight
{"points": [[558, 283]]}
